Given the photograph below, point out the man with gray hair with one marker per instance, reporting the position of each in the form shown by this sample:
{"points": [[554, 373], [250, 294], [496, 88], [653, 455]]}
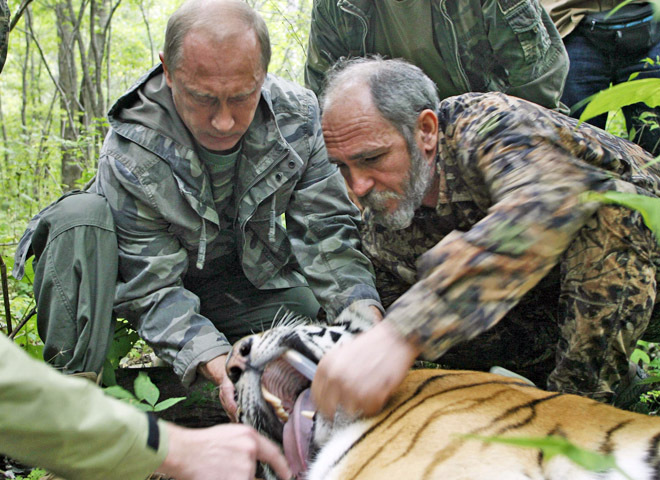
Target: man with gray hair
{"points": [[485, 250], [224, 205]]}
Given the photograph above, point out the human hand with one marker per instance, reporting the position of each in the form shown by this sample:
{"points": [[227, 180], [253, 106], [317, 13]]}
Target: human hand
{"points": [[223, 452], [360, 375], [215, 371]]}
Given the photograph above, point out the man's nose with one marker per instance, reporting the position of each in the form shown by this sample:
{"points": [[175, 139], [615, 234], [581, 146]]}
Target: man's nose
{"points": [[360, 183], [237, 359], [223, 119]]}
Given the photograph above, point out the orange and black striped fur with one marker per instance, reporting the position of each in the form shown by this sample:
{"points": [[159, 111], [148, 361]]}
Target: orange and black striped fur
{"points": [[421, 432]]}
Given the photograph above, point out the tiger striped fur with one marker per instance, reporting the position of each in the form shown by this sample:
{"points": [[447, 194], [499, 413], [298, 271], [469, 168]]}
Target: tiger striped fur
{"points": [[421, 434]]}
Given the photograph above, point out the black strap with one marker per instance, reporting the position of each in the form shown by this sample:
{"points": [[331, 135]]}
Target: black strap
{"points": [[153, 439]]}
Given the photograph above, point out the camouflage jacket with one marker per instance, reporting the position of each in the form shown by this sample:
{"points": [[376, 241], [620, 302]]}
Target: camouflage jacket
{"points": [[4, 32], [510, 175], [160, 195], [509, 46]]}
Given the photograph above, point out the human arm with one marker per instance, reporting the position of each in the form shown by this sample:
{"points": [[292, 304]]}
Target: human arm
{"points": [[148, 213], [68, 426], [527, 46], [520, 163]]}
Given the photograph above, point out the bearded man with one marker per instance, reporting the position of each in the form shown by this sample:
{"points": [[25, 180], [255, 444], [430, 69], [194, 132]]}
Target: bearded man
{"points": [[476, 223]]}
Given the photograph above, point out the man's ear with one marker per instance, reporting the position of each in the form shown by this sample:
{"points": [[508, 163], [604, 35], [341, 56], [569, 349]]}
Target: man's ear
{"points": [[427, 131], [166, 70]]}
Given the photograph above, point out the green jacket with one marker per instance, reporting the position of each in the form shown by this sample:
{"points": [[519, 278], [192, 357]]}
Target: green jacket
{"points": [[167, 225], [68, 426], [509, 46]]}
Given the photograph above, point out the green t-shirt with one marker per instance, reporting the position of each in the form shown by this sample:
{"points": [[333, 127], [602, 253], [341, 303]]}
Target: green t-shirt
{"points": [[404, 29], [222, 168]]}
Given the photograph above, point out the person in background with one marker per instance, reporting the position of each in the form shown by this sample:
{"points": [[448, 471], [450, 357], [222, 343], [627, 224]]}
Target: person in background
{"points": [[68, 426], [467, 46], [474, 207], [606, 48]]}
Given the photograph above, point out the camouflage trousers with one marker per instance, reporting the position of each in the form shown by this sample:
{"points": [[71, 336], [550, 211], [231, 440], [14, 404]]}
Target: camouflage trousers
{"points": [[575, 331], [75, 272]]}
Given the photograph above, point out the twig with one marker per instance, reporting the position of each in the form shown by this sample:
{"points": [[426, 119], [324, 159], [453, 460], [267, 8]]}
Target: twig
{"points": [[18, 14], [23, 322], [5, 294]]}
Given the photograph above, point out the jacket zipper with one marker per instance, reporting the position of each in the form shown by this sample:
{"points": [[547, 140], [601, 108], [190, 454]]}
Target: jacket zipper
{"points": [[443, 8], [254, 182], [364, 25]]}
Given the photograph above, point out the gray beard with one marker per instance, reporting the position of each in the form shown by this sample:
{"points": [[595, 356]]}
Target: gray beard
{"points": [[417, 183]]}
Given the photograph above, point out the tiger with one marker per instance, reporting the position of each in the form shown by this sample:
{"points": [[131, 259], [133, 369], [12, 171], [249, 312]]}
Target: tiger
{"points": [[435, 426]]}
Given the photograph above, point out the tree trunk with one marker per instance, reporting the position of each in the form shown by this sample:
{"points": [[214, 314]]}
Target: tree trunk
{"points": [[68, 74]]}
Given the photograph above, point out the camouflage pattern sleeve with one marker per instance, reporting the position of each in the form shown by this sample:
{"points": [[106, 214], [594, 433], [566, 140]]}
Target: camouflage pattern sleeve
{"points": [[322, 225], [4, 32], [527, 45], [511, 156], [152, 261]]}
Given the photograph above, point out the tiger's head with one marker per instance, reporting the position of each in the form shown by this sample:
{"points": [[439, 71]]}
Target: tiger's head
{"points": [[274, 397]]}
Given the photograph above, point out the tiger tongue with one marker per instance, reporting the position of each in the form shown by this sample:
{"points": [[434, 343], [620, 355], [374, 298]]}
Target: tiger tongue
{"points": [[297, 434]]}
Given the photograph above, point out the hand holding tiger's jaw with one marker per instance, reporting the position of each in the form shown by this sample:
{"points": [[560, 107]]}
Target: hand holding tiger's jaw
{"points": [[360, 375], [214, 370]]}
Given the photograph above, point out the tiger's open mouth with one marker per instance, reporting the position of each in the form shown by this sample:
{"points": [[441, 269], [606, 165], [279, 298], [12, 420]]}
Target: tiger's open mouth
{"points": [[287, 393], [281, 384]]}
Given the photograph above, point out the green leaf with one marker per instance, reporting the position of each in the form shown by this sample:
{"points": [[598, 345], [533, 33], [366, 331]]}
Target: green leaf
{"points": [[649, 207], [646, 90], [144, 407], [554, 445], [638, 355], [119, 392], [165, 404], [648, 380], [109, 378], [122, 342], [145, 390]]}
